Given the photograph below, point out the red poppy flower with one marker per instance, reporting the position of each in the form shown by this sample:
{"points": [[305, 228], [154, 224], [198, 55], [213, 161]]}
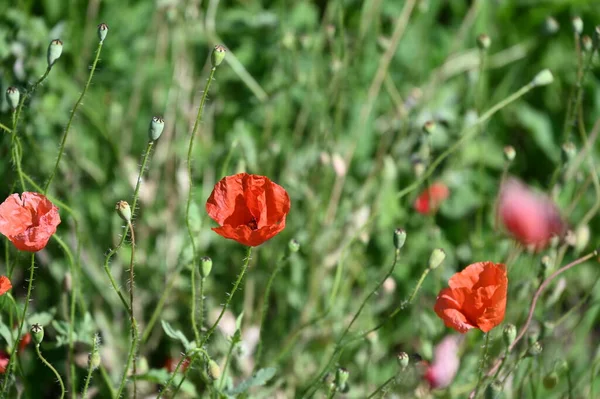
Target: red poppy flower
{"points": [[530, 217], [28, 221], [4, 357], [251, 209], [171, 364], [476, 298], [5, 285], [431, 198], [24, 342]]}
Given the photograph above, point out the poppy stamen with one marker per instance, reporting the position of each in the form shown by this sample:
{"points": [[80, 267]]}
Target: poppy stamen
{"points": [[253, 224]]}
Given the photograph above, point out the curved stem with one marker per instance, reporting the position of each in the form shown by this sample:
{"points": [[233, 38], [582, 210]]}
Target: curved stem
{"points": [[193, 304], [382, 386], [90, 369], [60, 381], [77, 104]]}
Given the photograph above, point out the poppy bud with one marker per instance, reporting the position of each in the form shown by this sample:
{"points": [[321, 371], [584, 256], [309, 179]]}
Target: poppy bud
{"points": [[37, 333], [582, 237], [509, 153], [568, 151], [157, 124], [403, 360], [551, 26], [577, 25], [214, 371], [12, 96], [399, 238], [437, 257], [543, 78], [429, 127], [483, 41], [550, 380], [294, 245], [54, 51], [205, 266], [218, 55], [102, 32], [535, 349], [94, 360], [341, 378], [123, 210], [587, 43], [509, 333]]}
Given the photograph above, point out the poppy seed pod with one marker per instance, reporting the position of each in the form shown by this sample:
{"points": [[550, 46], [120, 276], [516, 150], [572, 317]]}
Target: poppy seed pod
{"points": [[483, 41], [54, 51], [543, 78], [205, 266], [509, 153], [123, 210], [294, 245], [157, 125], [437, 257], [102, 32], [218, 55], [399, 238], [403, 360], [12, 96], [37, 333]]}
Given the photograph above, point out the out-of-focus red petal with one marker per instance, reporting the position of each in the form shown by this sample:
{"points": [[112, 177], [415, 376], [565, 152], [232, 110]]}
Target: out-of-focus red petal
{"points": [[5, 285]]}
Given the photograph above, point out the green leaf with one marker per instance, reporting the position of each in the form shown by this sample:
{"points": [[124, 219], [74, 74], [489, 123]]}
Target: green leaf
{"points": [[5, 332], [176, 334], [161, 376], [261, 377], [43, 318], [540, 126]]}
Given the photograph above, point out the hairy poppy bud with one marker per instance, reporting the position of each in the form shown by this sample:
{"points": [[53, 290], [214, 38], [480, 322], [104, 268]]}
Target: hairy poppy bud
{"points": [[214, 371], [205, 266], [294, 245], [94, 360], [123, 210], [509, 153], [535, 349], [587, 43], [429, 127], [509, 333], [218, 55], [399, 238], [102, 31], [543, 78], [577, 25], [37, 333], [341, 378], [403, 360], [54, 51], [551, 26], [483, 41], [12, 96], [437, 257], [157, 124]]}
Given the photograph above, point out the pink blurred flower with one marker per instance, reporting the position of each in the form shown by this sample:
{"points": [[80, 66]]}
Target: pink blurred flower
{"points": [[431, 198], [444, 367], [530, 217]]}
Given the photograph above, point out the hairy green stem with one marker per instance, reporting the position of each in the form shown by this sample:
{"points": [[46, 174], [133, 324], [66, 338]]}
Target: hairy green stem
{"points": [[196, 352], [60, 381], [484, 354], [90, 369], [382, 386], [193, 304]]}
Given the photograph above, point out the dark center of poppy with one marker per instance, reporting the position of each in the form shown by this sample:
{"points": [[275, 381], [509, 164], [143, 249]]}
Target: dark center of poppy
{"points": [[253, 224]]}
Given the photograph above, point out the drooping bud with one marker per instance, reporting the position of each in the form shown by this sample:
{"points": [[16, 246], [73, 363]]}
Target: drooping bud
{"points": [[341, 378], [399, 238], [429, 127], [535, 349], [123, 210], [54, 51], [218, 55], [205, 266], [214, 371], [587, 43], [577, 25], [403, 360], [37, 333], [543, 78], [294, 245], [12, 96], [483, 41], [102, 31], [94, 360], [509, 153], [157, 125], [568, 151], [551, 26], [437, 257], [509, 334]]}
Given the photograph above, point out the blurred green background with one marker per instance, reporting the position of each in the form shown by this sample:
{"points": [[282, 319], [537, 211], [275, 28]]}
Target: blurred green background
{"points": [[326, 98]]}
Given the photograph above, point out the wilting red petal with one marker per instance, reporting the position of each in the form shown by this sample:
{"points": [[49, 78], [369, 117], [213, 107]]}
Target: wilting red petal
{"points": [[531, 218], [5, 285], [431, 198], [441, 372], [476, 298], [28, 221], [250, 209]]}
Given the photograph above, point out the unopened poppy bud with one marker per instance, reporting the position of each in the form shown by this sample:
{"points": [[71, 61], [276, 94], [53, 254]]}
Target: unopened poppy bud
{"points": [[403, 360], [551, 26], [509, 333], [205, 266], [54, 51], [12, 96], [218, 55], [568, 151], [399, 238], [587, 43], [437, 257], [157, 124], [123, 210], [582, 237], [341, 377], [543, 78], [67, 282], [535, 349], [37, 333], [550, 380], [102, 32], [214, 371], [94, 360], [429, 127], [509, 153], [577, 23], [294, 245], [483, 41]]}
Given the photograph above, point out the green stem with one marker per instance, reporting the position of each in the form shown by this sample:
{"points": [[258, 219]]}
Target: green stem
{"points": [[134, 331], [196, 351], [60, 381], [90, 370], [20, 331], [193, 305], [4, 127], [130, 356], [483, 361], [382, 387], [71, 117], [107, 381], [201, 318], [226, 366]]}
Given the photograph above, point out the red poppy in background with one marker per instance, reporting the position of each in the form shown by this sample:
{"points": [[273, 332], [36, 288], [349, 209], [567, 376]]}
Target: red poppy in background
{"points": [[531, 218], [4, 357], [26, 340], [5, 285], [431, 198], [250, 209], [476, 298], [28, 221]]}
